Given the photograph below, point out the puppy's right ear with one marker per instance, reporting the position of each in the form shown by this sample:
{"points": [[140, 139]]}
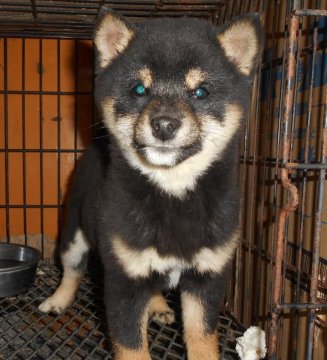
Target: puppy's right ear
{"points": [[112, 36]]}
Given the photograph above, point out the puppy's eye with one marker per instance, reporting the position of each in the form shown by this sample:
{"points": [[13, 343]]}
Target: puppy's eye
{"points": [[200, 93], [139, 90]]}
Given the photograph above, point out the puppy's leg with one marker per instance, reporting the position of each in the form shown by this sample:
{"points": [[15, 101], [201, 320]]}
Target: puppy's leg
{"points": [[127, 305], [74, 264], [200, 343], [141, 351], [201, 298], [159, 310]]}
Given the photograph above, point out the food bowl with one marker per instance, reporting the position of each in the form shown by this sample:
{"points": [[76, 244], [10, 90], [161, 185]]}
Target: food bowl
{"points": [[18, 265]]}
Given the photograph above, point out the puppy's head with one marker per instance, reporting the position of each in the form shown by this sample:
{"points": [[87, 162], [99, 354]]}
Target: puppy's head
{"points": [[174, 88]]}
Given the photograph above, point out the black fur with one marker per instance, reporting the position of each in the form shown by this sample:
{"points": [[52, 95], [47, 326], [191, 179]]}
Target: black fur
{"points": [[111, 197]]}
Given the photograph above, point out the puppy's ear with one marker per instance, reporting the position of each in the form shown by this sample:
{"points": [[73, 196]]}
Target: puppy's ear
{"points": [[112, 36], [242, 41]]}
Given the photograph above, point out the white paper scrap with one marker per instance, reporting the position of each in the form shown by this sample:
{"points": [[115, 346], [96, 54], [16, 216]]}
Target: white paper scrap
{"points": [[252, 345]]}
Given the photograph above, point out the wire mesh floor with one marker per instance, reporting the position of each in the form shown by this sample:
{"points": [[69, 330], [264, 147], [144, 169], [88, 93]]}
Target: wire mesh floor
{"points": [[79, 333]]}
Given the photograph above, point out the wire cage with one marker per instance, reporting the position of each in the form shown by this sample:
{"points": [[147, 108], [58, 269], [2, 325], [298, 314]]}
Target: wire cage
{"points": [[279, 279]]}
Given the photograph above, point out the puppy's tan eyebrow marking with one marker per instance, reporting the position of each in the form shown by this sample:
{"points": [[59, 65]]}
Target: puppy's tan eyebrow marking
{"points": [[145, 76], [194, 77]]}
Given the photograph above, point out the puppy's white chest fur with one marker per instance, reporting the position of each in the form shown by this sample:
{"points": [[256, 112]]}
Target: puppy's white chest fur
{"points": [[174, 277], [142, 263]]}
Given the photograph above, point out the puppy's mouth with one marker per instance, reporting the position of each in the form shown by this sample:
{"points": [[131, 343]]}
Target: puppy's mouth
{"points": [[166, 155], [164, 148]]}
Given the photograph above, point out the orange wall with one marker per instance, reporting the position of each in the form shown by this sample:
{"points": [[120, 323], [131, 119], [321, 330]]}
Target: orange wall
{"points": [[49, 120]]}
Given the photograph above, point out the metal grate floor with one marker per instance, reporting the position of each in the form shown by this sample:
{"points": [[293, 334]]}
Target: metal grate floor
{"points": [[25, 333]]}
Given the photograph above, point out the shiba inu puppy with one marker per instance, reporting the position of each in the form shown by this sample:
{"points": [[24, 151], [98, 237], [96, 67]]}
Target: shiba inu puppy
{"points": [[159, 197]]}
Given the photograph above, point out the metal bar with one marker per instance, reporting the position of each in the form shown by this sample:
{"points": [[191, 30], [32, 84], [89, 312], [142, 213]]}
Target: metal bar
{"points": [[48, 34], [309, 12], [41, 144], [6, 138], [240, 256], [59, 141], [276, 166], [308, 166], [76, 102], [311, 315], [272, 246], [257, 275], [288, 186], [247, 287], [240, 261], [307, 306], [32, 206], [34, 11], [41, 150], [47, 92], [295, 315], [24, 139], [317, 237]]}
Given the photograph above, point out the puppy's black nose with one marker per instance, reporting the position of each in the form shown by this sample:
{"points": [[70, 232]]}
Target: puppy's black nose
{"points": [[165, 128]]}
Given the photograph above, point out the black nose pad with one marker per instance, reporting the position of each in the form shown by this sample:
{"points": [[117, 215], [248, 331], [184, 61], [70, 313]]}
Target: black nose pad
{"points": [[165, 128]]}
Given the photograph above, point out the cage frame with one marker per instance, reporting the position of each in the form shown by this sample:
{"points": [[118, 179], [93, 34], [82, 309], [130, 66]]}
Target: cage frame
{"points": [[285, 166]]}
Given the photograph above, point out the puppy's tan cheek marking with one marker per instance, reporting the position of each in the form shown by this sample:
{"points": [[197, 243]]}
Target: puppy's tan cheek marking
{"points": [[200, 345], [108, 112], [141, 131], [221, 132], [110, 116], [145, 76], [123, 353], [194, 77], [122, 127], [214, 260], [233, 114]]}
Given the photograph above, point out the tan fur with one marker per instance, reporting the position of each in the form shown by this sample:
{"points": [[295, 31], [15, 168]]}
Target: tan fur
{"points": [[194, 77], [111, 38], [160, 311], [200, 345], [240, 45], [122, 128], [215, 260], [123, 353], [64, 295], [71, 279], [145, 76], [140, 264]]}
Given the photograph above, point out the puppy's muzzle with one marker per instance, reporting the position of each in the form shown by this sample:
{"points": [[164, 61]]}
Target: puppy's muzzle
{"points": [[164, 127]]}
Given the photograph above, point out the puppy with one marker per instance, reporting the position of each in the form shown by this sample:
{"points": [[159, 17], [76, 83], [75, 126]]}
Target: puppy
{"points": [[159, 197]]}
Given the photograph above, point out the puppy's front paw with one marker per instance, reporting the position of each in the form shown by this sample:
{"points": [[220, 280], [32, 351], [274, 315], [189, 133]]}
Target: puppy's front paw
{"points": [[165, 317], [53, 304]]}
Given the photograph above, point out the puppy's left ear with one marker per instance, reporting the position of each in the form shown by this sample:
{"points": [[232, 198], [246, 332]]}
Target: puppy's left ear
{"points": [[242, 41], [112, 36]]}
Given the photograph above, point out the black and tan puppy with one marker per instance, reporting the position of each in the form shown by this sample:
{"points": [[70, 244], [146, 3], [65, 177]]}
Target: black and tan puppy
{"points": [[160, 199]]}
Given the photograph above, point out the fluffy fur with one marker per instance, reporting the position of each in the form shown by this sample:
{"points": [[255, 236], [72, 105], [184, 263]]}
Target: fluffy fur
{"points": [[159, 197]]}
